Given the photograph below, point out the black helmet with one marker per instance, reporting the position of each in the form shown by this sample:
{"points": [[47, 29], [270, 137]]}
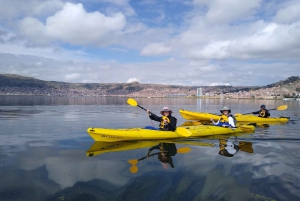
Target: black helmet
{"points": [[263, 106]]}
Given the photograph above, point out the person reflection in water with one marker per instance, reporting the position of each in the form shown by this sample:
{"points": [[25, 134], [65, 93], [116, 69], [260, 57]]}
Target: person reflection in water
{"points": [[166, 150], [229, 147]]}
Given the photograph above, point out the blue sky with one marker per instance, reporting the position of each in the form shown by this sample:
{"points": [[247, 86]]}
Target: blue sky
{"points": [[187, 42]]}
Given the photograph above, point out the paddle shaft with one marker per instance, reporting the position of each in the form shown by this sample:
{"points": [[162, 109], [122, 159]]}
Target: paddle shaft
{"points": [[268, 110], [282, 107], [144, 109], [147, 156]]}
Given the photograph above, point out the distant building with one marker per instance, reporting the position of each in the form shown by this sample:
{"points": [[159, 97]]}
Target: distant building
{"points": [[199, 91]]}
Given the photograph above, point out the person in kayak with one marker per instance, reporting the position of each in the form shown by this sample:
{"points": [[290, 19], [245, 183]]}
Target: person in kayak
{"points": [[226, 120], [263, 112], [167, 121]]}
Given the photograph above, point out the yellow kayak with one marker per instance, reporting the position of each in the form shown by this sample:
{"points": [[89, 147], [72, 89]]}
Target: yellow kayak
{"points": [[101, 147], [113, 135], [202, 116]]}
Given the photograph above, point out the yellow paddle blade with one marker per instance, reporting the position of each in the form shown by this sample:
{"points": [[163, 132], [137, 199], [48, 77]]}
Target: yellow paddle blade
{"points": [[183, 132], [282, 107], [133, 169], [133, 161], [132, 102], [183, 150]]}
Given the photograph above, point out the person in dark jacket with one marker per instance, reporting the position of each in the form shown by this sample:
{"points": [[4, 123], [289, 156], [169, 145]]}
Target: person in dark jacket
{"points": [[263, 112], [167, 121]]}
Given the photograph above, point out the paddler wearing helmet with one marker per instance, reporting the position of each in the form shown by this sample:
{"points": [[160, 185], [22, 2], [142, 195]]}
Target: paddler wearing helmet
{"points": [[263, 112], [226, 119], [167, 121]]}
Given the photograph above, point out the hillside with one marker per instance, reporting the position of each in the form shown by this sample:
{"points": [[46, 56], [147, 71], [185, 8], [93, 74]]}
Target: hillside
{"points": [[19, 85]]}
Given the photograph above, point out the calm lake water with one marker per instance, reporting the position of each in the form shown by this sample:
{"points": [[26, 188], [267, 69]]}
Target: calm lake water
{"points": [[44, 147]]}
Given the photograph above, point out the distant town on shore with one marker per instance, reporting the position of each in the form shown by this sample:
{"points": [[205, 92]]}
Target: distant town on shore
{"points": [[11, 84]]}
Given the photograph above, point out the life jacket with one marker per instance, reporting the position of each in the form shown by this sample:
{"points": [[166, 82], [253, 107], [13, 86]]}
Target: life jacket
{"points": [[262, 113], [162, 124], [224, 118]]}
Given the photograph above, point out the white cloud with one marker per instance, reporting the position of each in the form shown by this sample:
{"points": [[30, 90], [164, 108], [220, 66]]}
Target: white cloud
{"points": [[72, 76], [17, 8], [288, 14], [155, 49], [220, 84], [132, 80], [273, 41], [73, 25], [220, 11]]}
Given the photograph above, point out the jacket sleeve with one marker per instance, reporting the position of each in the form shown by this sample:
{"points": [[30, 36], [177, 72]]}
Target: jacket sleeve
{"points": [[267, 113], [231, 121], [154, 117], [152, 148], [172, 124], [257, 112]]}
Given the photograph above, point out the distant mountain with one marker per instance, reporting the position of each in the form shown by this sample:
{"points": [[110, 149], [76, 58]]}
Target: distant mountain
{"points": [[11, 84], [289, 81]]}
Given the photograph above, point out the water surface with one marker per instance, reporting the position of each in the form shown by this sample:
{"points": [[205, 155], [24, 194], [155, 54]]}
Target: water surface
{"points": [[44, 150]]}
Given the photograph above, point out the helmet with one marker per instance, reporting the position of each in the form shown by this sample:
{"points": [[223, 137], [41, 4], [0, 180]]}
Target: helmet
{"points": [[263, 106]]}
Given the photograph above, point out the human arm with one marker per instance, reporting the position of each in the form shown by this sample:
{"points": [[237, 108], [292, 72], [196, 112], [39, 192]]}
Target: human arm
{"points": [[231, 121], [257, 112], [151, 149], [153, 116], [215, 123], [267, 113]]}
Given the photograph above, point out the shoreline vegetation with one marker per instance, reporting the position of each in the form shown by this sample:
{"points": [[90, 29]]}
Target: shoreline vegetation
{"points": [[15, 85]]}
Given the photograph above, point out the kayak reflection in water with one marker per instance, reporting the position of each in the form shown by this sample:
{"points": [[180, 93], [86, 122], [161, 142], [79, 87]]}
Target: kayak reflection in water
{"points": [[167, 121], [230, 147], [166, 150]]}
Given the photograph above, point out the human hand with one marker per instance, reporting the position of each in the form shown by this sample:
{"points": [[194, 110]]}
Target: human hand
{"points": [[148, 111]]}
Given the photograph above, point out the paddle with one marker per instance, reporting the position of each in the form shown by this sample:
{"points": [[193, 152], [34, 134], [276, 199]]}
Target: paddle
{"points": [[181, 131], [281, 107], [133, 169], [132, 102]]}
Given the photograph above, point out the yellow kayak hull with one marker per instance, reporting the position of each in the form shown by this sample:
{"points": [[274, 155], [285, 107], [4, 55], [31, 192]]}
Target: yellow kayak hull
{"points": [[202, 116], [113, 135], [208, 130]]}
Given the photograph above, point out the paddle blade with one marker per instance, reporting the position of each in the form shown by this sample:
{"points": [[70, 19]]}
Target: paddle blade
{"points": [[246, 146], [133, 169], [132, 102], [133, 161], [282, 107], [183, 132], [183, 150]]}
